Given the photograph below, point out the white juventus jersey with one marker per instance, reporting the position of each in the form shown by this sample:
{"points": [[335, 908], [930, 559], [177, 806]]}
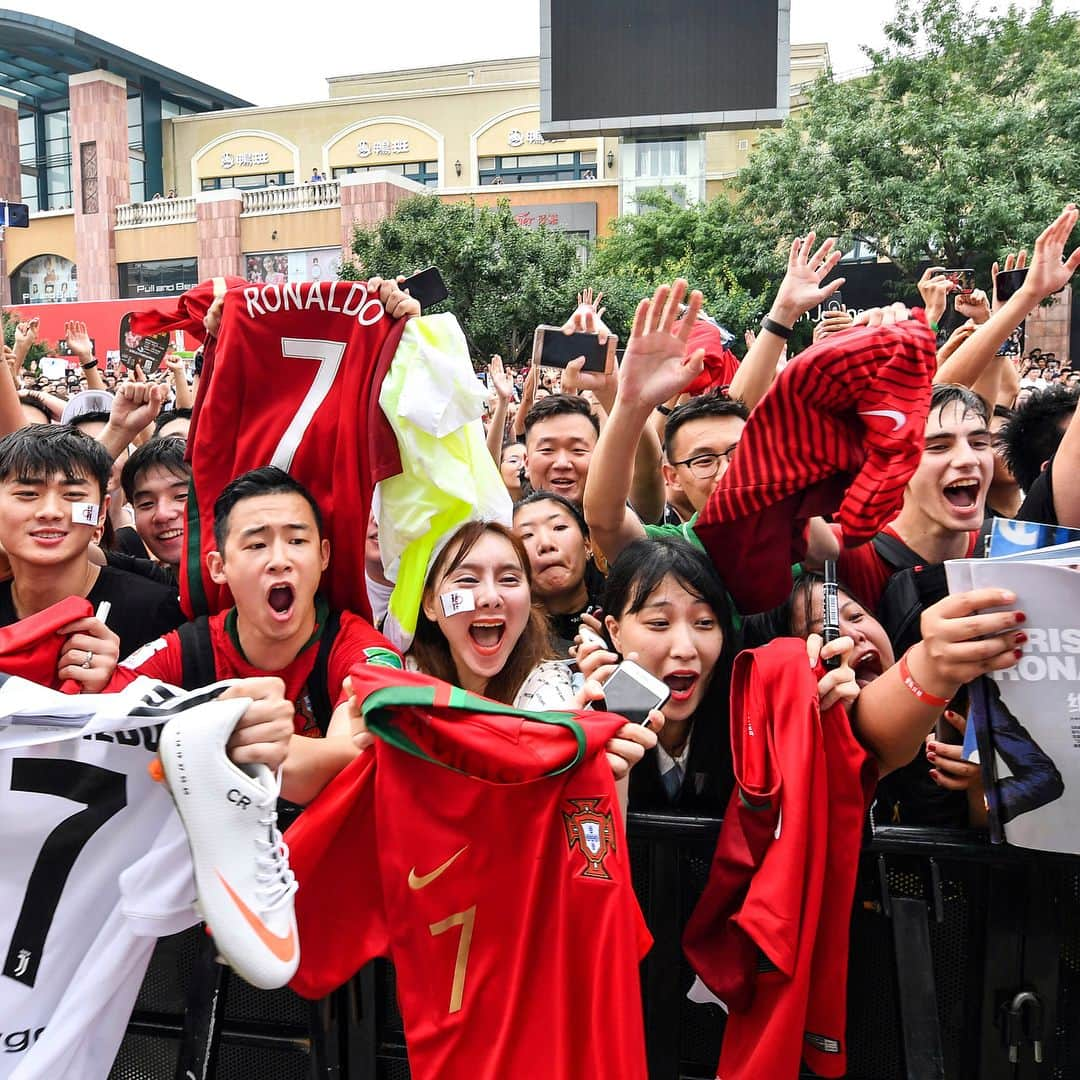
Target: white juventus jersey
{"points": [[95, 868]]}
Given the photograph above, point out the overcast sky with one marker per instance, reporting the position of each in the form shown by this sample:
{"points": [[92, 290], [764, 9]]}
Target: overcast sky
{"points": [[276, 53]]}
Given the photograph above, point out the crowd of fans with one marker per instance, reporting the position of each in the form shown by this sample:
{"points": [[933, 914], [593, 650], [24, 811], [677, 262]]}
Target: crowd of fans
{"points": [[609, 472]]}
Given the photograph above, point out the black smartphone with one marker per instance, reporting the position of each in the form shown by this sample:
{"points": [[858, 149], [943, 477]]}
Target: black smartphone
{"points": [[1008, 281], [830, 620], [834, 303], [553, 348], [963, 279], [427, 286], [632, 692]]}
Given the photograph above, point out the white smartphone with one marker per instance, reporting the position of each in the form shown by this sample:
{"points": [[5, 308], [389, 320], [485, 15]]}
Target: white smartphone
{"points": [[632, 692]]}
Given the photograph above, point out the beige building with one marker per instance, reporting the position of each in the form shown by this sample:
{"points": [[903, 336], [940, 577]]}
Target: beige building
{"points": [[277, 191]]}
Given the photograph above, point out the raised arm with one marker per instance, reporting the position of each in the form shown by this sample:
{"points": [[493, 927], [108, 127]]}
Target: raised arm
{"points": [[800, 290], [78, 341], [655, 367], [504, 391], [1047, 273]]}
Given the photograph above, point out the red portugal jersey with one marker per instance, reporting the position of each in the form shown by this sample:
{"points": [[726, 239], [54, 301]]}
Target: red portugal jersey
{"points": [[769, 935], [481, 848], [293, 380], [31, 647]]}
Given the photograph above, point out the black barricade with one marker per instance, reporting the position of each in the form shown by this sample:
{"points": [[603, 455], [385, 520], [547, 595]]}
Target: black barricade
{"points": [[958, 949]]}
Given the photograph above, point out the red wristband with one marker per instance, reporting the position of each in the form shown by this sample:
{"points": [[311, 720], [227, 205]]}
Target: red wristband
{"points": [[923, 695]]}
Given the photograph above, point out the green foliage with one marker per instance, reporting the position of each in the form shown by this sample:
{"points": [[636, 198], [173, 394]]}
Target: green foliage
{"points": [[10, 320], [504, 280], [961, 143], [710, 244]]}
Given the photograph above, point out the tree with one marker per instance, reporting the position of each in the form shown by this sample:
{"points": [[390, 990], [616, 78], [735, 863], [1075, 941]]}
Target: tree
{"points": [[504, 279], [10, 320], [713, 245], [962, 142]]}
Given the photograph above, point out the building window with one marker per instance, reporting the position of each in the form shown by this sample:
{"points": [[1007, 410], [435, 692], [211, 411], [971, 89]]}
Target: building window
{"points": [[58, 160], [28, 161], [246, 183], [134, 122], [744, 144], [663, 157], [423, 172], [169, 109], [538, 168], [137, 177]]}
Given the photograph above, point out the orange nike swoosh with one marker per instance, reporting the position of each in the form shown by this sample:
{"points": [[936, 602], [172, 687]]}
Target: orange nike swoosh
{"points": [[422, 881], [284, 948]]}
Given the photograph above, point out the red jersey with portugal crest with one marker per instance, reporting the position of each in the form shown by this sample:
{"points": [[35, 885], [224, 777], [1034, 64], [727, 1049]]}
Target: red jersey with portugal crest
{"points": [[481, 848], [293, 380]]}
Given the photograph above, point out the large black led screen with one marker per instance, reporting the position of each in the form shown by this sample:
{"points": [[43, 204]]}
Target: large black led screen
{"points": [[655, 58]]}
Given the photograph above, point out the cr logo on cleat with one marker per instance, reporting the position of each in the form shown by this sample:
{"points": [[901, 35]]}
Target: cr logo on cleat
{"points": [[239, 798]]}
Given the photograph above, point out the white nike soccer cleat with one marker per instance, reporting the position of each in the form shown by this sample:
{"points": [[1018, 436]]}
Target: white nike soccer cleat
{"points": [[242, 875]]}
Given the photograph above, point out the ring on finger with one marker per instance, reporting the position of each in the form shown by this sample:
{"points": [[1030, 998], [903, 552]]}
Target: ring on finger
{"points": [[89, 659]]}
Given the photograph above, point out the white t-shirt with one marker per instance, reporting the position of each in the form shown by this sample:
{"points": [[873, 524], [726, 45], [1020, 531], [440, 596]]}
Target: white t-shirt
{"points": [[80, 906]]}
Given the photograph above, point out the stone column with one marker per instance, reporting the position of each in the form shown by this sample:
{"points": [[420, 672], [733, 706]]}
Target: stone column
{"points": [[218, 217], [99, 176], [368, 198], [10, 177]]}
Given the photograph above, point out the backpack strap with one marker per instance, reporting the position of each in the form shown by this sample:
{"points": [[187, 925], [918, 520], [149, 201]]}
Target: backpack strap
{"points": [[197, 653], [895, 552], [322, 705]]}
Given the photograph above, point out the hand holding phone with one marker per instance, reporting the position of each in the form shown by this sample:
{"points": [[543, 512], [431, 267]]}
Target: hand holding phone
{"points": [[554, 348], [632, 692], [830, 619], [427, 287]]}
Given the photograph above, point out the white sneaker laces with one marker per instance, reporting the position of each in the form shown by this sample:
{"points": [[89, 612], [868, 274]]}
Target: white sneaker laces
{"points": [[276, 882]]}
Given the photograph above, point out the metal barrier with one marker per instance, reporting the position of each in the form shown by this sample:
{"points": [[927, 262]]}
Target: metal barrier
{"points": [[957, 949]]}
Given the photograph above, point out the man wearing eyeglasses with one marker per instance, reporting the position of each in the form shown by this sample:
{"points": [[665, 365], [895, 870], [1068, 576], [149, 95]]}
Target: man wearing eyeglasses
{"points": [[699, 440]]}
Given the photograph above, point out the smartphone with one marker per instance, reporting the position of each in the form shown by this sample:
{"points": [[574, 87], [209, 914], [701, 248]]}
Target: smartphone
{"points": [[834, 303], [553, 348], [830, 596], [427, 286], [963, 279], [632, 692], [588, 635], [1008, 281]]}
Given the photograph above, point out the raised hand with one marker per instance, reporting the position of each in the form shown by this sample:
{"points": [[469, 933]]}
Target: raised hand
{"points": [[1049, 270], [503, 383], [801, 288], [78, 340], [1012, 262], [656, 366], [934, 288], [25, 336], [974, 306]]}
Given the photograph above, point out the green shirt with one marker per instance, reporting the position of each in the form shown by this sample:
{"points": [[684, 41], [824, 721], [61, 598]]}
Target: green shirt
{"points": [[685, 531]]}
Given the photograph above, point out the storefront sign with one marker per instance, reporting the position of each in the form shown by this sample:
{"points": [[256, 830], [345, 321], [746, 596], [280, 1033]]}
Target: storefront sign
{"points": [[520, 138], [161, 277], [256, 157], [381, 147], [566, 217], [45, 279]]}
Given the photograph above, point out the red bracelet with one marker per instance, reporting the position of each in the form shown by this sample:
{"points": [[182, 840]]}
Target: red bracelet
{"points": [[923, 695]]}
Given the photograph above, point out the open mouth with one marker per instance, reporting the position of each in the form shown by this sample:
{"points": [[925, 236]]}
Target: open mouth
{"points": [[487, 636], [681, 684], [867, 667], [963, 495], [281, 598], [169, 535]]}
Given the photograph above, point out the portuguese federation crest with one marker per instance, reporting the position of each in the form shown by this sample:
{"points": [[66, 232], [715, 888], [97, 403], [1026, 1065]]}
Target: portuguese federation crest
{"points": [[593, 832]]}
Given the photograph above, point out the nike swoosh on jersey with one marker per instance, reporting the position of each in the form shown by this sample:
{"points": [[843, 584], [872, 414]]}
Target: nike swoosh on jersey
{"points": [[422, 881], [284, 948], [897, 417]]}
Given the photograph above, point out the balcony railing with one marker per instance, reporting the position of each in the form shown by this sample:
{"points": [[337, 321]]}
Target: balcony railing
{"points": [[155, 212], [325, 195]]}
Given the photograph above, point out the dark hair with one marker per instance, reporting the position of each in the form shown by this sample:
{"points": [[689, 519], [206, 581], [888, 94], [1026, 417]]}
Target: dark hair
{"points": [[510, 442], [561, 500], [167, 417], [714, 403], [40, 451], [1033, 434], [35, 402], [559, 405], [954, 394], [267, 480], [95, 416], [781, 621], [167, 454], [430, 649]]}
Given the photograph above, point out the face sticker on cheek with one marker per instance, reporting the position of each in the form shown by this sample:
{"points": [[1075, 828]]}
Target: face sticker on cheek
{"points": [[84, 513], [457, 601]]}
